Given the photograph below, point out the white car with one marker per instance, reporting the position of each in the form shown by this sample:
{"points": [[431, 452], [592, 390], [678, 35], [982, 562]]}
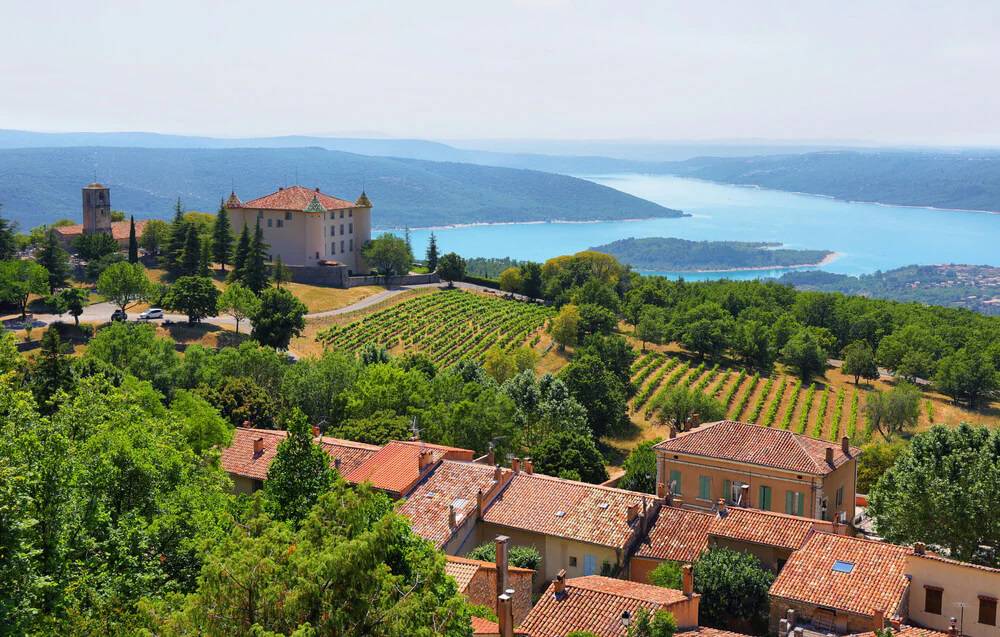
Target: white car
{"points": [[151, 313]]}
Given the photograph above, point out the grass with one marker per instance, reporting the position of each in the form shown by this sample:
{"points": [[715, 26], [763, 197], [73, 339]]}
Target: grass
{"points": [[324, 299]]}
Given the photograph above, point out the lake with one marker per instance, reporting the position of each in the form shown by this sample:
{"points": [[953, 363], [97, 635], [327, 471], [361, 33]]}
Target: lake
{"points": [[867, 236]]}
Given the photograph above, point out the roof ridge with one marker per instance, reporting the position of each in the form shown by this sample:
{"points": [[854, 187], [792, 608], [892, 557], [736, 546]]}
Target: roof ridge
{"points": [[618, 582], [865, 539], [586, 484]]}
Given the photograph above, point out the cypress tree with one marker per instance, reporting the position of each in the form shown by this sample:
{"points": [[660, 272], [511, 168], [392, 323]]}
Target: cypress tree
{"points": [[205, 262], [133, 242], [240, 256], [190, 260], [52, 370], [222, 237], [432, 254], [255, 273], [53, 258], [178, 236]]}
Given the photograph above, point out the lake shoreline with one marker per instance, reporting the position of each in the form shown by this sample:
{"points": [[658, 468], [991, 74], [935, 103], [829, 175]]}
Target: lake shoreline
{"points": [[828, 259], [486, 224]]}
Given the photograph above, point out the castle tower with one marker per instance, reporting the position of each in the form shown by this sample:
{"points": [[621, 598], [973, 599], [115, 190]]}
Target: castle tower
{"points": [[96, 209]]}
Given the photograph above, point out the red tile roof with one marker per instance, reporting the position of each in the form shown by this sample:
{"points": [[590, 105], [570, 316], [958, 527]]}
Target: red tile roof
{"points": [[482, 626], [677, 534], [947, 560], [239, 458], [764, 446], [705, 631], [906, 631], [119, 230], [296, 198], [567, 509], [765, 527], [596, 604], [463, 569], [452, 482], [877, 581], [396, 466]]}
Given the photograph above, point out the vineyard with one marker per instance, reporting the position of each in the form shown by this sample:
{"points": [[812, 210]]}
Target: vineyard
{"points": [[773, 401], [447, 326]]}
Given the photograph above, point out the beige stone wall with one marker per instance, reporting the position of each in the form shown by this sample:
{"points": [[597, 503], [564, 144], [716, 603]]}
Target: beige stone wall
{"points": [[960, 585], [770, 556], [844, 476], [242, 484], [844, 623], [482, 590]]}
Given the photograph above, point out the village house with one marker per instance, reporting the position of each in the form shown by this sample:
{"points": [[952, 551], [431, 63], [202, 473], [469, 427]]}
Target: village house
{"points": [[482, 583], [399, 466], [606, 606], [579, 528], [760, 467], [840, 584], [97, 219], [681, 535], [946, 593], [306, 227]]}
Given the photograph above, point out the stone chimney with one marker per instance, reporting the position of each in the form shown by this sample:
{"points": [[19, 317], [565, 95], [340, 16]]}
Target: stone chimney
{"points": [[452, 522], [919, 548], [687, 580], [829, 455], [497, 474], [258, 446], [879, 619], [845, 445], [315, 429], [673, 432], [424, 459], [515, 464], [505, 614], [661, 490], [336, 464], [502, 544], [491, 456], [481, 503], [559, 584], [529, 466], [799, 631], [695, 420], [632, 513]]}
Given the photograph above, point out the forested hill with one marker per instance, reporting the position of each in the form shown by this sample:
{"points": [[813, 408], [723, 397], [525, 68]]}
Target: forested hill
{"points": [[670, 254], [968, 180], [40, 185]]}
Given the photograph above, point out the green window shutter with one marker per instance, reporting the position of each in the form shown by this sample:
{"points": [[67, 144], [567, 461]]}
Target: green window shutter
{"points": [[801, 508], [765, 498], [675, 478], [727, 491], [704, 487], [789, 502]]}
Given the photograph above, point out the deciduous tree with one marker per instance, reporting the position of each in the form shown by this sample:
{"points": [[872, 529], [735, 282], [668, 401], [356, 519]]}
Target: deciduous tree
{"points": [[195, 296], [280, 317], [451, 268], [388, 254], [299, 473], [893, 411], [125, 284], [734, 588], [570, 455], [239, 302], [859, 361], [510, 280], [19, 279], [53, 258], [565, 326]]}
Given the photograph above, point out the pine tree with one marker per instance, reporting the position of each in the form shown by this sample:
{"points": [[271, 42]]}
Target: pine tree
{"points": [[205, 262], [53, 258], [406, 237], [133, 242], [432, 254], [240, 256], [8, 238], [190, 260], [222, 237], [281, 272], [255, 272], [178, 236], [52, 369]]}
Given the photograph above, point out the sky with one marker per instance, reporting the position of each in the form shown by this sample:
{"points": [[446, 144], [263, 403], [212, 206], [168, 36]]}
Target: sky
{"points": [[885, 71]]}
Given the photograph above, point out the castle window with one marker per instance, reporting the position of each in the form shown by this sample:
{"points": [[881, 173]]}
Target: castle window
{"points": [[352, 245], [350, 228], [288, 216], [281, 223], [350, 213], [341, 245], [341, 229], [341, 214], [333, 231], [333, 248], [270, 223]]}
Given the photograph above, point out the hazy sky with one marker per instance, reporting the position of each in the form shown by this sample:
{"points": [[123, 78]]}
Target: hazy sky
{"points": [[902, 71]]}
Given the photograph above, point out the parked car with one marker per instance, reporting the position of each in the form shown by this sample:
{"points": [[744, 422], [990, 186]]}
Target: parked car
{"points": [[119, 315], [151, 313]]}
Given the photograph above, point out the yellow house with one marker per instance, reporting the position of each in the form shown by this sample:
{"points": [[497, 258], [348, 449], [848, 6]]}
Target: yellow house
{"points": [[758, 467], [943, 591]]}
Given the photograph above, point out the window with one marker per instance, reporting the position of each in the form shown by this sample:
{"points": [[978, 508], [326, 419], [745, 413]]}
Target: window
{"points": [[281, 223], [260, 214], [333, 247], [727, 491], [988, 610], [341, 229], [795, 502], [352, 245], [350, 213], [764, 498], [840, 566], [332, 215], [840, 496], [572, 561], [589, 565], [270, 223], [333, 231], [932, 600], [341, 245], [341, 214], [350, 228], [675, 481], [704, 488], [288, 216]]}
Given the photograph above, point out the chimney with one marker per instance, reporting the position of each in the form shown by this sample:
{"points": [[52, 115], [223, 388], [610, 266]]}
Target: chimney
{"points": [[673, 432], [845, 445], [452, 523], [491, 456], [952, 628], [695, 420], [829, 455], [315, 429], [515, 464], [687, 580], [559, 584], [258, 446], [502, 542], [790, 615], [879, 619], [497, 474], [632, 512], [336, 464], [424, 459], [481, 503], [721, 507], [661, 490], [529, 466], [919, 548], [505, 615]]}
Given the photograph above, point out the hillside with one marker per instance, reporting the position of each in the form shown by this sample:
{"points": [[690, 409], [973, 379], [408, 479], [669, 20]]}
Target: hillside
{"points": [[967, 181], [975, 287], [670, 254], [40, 185]]}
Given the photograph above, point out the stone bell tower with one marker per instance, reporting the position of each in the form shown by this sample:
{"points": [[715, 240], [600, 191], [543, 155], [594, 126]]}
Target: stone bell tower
{"points": [[96, 209]]}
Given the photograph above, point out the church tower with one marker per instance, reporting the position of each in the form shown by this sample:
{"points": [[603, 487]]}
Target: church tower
{"points": [[96, 209]]}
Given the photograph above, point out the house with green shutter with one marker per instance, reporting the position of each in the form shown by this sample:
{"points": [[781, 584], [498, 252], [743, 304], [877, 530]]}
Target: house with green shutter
{"points": [[749, 466]]}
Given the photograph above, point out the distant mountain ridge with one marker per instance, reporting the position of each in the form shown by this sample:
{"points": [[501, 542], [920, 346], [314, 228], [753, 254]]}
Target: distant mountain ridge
{"points": [[40, 185]]}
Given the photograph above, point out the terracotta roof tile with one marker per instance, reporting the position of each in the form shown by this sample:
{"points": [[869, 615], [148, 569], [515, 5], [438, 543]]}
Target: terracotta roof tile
{"points": [[239, 458], [119, 230], [705, 631], [765, 527], [451, 482], [568, 509], [482, 626], [296, 198], [461, 571], [677, 534], [876, 580], [906, 631], [596, 604], [396, 466], [764, 446]]}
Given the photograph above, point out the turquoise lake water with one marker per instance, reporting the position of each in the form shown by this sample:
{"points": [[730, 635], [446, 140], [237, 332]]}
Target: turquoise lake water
{"points": [[868, 236]]}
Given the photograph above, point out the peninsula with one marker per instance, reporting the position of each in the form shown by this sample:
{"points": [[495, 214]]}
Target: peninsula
{"points": [[668, 254]]}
